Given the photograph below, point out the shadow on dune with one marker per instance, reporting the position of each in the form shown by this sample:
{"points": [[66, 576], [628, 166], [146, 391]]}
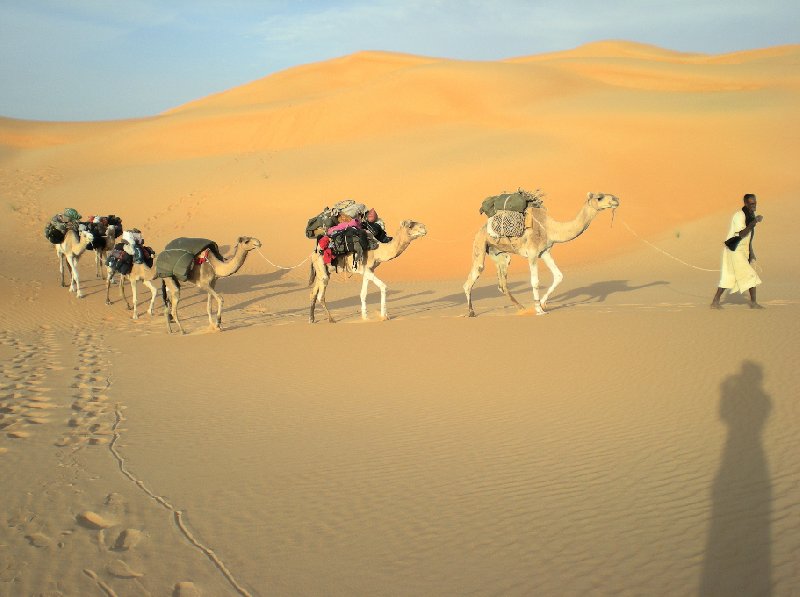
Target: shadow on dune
{"points": [[738, 551], [597, 292]]}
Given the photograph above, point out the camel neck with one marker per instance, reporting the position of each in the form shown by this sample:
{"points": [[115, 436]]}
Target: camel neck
{"points": [[562, 232], [395, 247], [223, 269]]}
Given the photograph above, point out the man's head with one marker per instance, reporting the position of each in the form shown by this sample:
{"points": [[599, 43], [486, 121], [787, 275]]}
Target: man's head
{"points": [[750, 201]]}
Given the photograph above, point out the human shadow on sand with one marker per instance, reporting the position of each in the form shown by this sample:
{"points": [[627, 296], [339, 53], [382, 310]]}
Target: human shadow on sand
{"points": [[738, 550]]}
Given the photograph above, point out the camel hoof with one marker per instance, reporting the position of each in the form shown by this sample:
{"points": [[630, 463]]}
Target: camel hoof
{"points": [[471, 314], [129, 308], [109, 303], [541, 313]]}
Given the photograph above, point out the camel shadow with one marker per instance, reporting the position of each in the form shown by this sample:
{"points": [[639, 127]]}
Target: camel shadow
{"points": [[597, 292], [487, 291], [738, 549], [244, 283]]}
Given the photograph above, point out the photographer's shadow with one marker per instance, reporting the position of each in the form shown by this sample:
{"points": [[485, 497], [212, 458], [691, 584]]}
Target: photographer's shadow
{"points": [[738, 550]]}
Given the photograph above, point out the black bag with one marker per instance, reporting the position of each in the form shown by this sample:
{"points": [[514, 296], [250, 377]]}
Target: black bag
{"points": [[349, 240], [119, 261], [54, 234], [142, 254], [733, 242]]}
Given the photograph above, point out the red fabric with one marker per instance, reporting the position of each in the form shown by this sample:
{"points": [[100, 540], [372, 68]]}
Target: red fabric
{"points": [[202, 258], [327, 254]]}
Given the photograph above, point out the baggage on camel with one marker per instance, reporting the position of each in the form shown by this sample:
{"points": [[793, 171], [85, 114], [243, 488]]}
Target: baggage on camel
{"points": [[119, 260], [179, 256], [518, 202]]}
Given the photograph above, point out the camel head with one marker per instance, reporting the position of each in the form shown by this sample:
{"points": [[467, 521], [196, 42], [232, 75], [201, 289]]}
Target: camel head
{"points": [[601, 201], [85, 236], [414, 229], [248, 243]]}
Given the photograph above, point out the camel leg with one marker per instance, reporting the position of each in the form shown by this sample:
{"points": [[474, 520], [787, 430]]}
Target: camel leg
{"points": [[502, 260], [364, 292], [369, 276], [535, 284], [135, 293], [62, 263], [122, 290], [151, 286], [320, 279], [322, 291], [478, 263], [97, 263], [172, 294], [215, 323], [176, 297], [75, 286], [108, 287], [557, 276]]}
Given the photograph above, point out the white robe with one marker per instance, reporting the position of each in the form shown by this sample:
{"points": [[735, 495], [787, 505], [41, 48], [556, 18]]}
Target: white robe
{"points": [[737, 273]]}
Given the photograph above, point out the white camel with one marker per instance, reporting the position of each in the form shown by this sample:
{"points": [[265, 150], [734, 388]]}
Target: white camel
{"points": [[68, 252], [541, 233], [319, 278]]}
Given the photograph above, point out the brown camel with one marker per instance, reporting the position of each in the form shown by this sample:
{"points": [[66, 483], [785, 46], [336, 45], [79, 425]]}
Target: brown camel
{"points": [[139, 271], [205, 277], [68, 252], [408, 232], [536, 241], [101, 252]]}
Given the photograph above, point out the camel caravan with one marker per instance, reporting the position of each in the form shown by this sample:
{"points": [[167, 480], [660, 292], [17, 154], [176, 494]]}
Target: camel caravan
{"points": [[348, 239]]}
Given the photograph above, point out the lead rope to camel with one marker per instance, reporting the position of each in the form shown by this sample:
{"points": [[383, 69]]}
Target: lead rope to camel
{"points": [[177, 514], [662, 251], [276, 266]]}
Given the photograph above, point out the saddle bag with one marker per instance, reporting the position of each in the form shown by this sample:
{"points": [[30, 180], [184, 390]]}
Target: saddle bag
{"points": [[506, 223], [319, 224], [54, 233], [119, 261]]}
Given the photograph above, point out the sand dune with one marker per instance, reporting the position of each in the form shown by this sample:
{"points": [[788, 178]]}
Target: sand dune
{"points": [[630, 442]]}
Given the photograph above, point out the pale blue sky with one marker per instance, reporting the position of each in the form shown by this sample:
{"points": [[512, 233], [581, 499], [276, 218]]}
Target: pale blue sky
{"points": [[106, 59]]}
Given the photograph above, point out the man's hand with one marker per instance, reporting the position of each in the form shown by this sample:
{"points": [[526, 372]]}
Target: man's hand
{"points": [[759, 218]]}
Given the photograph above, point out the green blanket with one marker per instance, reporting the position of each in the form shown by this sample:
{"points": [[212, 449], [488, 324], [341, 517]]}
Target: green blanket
{"points": [[508, 201], [177, 258]]}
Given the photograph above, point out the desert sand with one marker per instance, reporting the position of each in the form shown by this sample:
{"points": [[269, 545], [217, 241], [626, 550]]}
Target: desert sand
{"points": [[630, 442]]}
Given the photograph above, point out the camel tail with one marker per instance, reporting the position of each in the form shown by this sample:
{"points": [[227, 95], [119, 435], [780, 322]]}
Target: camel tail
{"points": [[164, 293], [312, 276]]}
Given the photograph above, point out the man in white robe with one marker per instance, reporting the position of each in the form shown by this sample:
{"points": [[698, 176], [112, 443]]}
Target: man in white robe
{"points": [[737, 270]]}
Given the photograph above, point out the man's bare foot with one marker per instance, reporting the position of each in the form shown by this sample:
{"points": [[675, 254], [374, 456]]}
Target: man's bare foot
{"points": [[716, 305], [755, 305]]}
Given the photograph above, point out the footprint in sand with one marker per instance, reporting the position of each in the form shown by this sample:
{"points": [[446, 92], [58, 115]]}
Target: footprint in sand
{"points": [[39, 540], [185, 589], [120, 569], [128, 539], [94, 521]]}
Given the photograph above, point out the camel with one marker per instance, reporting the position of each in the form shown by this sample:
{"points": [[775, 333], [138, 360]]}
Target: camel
{"points": [[139, 271], [205, 277], [101, 252], [319, 277], [535, 242], [68, 251]]}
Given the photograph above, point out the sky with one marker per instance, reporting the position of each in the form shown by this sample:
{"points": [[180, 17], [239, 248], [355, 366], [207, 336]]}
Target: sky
{"points": [[111, 59]]}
